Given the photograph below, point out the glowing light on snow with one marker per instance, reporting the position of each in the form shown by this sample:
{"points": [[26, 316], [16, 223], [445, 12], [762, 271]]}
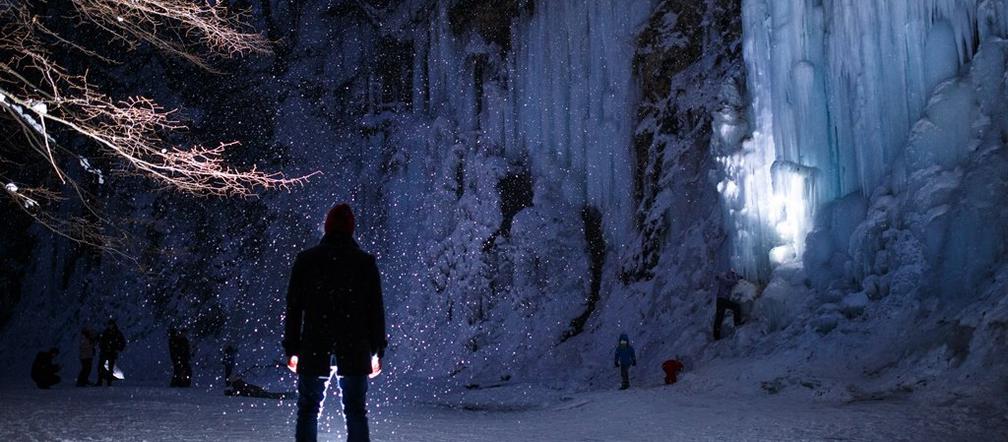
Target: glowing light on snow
{"points": [[116, 372]]}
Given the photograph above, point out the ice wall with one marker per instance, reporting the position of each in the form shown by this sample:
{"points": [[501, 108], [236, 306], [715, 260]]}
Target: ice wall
{"points": [[573, 95], [835, 87], [567, 103], [548, 103]]}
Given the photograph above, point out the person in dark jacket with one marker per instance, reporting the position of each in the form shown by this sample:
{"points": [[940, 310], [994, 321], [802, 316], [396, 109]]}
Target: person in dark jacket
{"points": [[110, 343], [228, 360], [180, 352], [725, 284], [87, 352], [45, 371], [625, 358], [335, 315]]}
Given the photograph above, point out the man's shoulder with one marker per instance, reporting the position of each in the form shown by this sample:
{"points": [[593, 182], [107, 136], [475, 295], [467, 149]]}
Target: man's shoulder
{"points": [[366, 256], [323, 251], [311, 254]]}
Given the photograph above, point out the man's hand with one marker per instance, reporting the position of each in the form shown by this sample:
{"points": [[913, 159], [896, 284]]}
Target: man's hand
{"points": [[292, 363], [376, 366], [378, 351]]}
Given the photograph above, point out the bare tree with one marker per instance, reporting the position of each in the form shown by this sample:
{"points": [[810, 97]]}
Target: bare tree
{"points": [[43, 104]]}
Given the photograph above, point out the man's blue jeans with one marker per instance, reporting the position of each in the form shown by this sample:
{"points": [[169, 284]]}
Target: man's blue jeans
{"points": [[311, 394]]}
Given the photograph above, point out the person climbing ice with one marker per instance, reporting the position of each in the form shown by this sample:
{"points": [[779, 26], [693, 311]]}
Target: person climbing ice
{"points": [[724, 284], [335, 316], [624, 359]]}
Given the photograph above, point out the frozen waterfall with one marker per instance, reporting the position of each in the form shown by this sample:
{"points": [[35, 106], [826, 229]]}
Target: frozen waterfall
{"points": [[567, 104], [835, 88]]}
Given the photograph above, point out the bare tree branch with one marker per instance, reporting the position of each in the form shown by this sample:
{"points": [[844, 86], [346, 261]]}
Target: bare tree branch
{"points": [[44, 102]]}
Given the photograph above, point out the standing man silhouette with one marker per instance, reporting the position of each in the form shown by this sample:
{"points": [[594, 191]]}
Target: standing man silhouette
{"points": [[110, 344], [335, 316]]}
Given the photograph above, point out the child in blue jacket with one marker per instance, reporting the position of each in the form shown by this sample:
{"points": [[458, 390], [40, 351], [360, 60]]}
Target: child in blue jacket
{"points": [[625, 358]]}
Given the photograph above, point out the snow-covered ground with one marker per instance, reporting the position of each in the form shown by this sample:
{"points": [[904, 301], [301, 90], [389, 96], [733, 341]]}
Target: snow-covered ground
{"points": [[686, 411]]}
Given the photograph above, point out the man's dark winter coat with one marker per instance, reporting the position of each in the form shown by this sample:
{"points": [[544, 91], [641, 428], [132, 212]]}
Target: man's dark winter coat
{"points": [[334, 307]]}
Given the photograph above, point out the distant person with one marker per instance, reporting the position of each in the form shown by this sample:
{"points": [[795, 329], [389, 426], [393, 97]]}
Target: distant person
{"points": [[228, 359], [725, 283], [110, 344], [625, 358], [334, 309], [180, 352], [238, 387], [45, 370], [87, 352], [672, 367]]}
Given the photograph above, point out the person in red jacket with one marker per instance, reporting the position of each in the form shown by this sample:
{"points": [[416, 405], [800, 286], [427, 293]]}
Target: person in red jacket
{"points": [[672, 367]]}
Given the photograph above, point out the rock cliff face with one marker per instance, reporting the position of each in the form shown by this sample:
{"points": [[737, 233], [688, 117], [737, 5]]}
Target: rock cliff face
{"points": [[534, 177], [537, 177]]}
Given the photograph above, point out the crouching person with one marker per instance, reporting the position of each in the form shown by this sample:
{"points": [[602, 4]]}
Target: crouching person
{"points": [[335, 316], [45, 370], [672, 368]]}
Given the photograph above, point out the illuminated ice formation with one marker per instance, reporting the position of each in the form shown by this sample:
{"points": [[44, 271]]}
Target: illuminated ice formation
{"points": [[835, 88]]}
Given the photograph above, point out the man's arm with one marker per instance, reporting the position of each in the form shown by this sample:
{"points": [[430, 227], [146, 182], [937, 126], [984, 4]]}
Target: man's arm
{"points": [[377, 337], [295, 310]]}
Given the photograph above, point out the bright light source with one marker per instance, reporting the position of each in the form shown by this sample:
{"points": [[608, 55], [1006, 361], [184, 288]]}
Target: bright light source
{"points": [[782, 254], [116, 372], [375, 367]]}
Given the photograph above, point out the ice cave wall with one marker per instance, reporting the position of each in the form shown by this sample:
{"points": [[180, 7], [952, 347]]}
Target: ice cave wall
{"points": [[524, 166], [565, 97], [838, 90], [865, 184]]}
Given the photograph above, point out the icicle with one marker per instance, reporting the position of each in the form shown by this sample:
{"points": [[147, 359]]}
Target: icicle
{"points": [[835, 88]]}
